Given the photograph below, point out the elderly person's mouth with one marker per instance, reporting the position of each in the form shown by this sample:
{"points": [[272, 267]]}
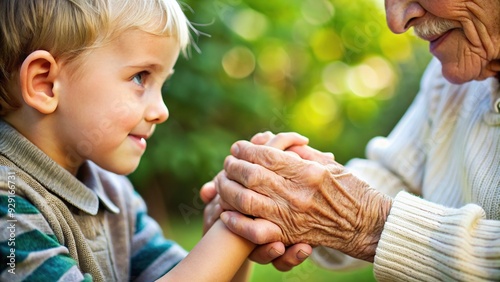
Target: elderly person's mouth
{"points": [[435, 31], [436, 40]]}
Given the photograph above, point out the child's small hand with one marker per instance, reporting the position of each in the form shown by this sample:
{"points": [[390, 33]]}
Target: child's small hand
{"points": [[213, 209]]}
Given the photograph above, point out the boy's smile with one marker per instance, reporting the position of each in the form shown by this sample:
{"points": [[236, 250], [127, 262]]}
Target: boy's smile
{"points": [[141, 139], [110, 105]]}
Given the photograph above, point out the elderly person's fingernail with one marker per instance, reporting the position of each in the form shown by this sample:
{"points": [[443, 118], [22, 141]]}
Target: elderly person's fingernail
{"points": [[301, 255], [274, 253], [235, 149], [224, 217]]}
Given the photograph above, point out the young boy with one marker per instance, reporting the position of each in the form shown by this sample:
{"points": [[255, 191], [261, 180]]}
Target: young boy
{"points": [[80, 94]]}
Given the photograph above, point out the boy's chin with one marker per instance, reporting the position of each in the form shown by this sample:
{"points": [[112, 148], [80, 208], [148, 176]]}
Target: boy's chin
{"points": [[122, 168]]}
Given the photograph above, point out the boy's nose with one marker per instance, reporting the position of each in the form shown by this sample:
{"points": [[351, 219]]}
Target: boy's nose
{"points": [[157, 111], [401, 14]]}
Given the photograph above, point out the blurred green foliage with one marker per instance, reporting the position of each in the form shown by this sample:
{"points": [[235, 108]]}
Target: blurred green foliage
{"points": [[328, 69]]}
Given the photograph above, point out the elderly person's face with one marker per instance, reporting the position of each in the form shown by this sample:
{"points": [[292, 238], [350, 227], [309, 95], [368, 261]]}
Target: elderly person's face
{"points": [[463, 34]]}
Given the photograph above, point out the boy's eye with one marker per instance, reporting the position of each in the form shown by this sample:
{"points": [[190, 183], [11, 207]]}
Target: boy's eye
{"points": [[139, 78]]}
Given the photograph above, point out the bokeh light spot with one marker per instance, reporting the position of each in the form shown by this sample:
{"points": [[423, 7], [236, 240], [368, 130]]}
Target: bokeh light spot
{"points": [[384, 74], [317, 12], [334, 77], [370, 77], [319, 112], [357, 79], [239, 62], [249, 24], [274, 58], [318, 109], [326, 45], [324, 104]]}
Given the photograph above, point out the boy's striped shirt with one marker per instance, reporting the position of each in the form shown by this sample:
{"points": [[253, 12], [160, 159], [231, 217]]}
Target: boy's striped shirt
{"points": [[58, 228]]}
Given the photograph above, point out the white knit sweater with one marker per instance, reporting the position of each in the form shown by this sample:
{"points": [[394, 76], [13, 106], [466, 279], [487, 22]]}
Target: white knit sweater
{"points": [[445, 150]]}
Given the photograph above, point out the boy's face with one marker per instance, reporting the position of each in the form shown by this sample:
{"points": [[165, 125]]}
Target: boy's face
{"points": [[110, 106]]}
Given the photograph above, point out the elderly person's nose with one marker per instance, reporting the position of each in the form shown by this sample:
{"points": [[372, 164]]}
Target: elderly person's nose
{"points": [[402, 14]]}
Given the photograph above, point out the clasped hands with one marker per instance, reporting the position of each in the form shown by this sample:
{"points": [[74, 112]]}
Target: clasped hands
{"points": [[286, 197]]}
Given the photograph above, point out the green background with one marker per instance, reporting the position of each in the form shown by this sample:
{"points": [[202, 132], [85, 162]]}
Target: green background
{"points": [[328, 69]]}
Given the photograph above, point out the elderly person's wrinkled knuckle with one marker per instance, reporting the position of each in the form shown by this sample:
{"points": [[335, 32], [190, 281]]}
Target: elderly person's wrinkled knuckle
{"points": [[228, 162], [244, 202], [253, 179], [268, 161], [259, 236], [317, 173]]}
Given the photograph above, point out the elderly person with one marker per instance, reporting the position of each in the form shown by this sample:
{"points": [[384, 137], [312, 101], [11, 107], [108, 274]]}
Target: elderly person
{"points": [[425, 204]]}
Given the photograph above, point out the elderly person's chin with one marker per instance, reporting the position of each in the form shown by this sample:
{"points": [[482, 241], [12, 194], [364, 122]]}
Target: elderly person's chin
{"points": [[458, 74]]}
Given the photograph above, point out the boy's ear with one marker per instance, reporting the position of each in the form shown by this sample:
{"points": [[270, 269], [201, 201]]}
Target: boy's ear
{"points": [[37, 75]]}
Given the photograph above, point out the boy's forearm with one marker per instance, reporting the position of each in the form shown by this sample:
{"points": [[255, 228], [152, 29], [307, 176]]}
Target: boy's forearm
{"points": [[217, 257], [244, 273]]}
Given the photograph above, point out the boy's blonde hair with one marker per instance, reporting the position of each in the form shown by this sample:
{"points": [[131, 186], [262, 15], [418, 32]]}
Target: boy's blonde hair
{"points": [[68, 28]]}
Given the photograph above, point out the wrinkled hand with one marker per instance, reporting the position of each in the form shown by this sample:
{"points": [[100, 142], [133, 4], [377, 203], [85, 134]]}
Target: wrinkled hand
{"points": [[282, 141], [304, 197], [282, 258]]}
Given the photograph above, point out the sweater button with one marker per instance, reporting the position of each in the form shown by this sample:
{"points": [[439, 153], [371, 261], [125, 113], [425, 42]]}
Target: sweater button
{"points": [[497, 105]]}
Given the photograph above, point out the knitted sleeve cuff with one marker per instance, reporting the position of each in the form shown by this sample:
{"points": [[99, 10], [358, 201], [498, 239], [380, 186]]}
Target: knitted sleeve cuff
{"points": [[423, 241]]}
